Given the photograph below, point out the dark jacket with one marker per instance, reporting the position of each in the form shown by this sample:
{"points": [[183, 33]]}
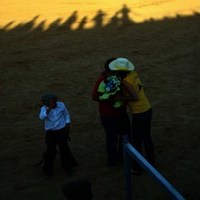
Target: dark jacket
{"points": [[106, 107]]}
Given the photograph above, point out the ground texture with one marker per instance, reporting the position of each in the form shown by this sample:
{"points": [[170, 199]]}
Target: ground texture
{"points": [[34, 60]]}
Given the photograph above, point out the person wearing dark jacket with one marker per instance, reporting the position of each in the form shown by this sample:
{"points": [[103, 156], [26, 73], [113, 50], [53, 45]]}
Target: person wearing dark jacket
{"points": [[114, 119]]}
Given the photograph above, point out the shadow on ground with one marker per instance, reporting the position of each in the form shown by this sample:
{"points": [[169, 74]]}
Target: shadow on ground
{"points": [[35, 60]]}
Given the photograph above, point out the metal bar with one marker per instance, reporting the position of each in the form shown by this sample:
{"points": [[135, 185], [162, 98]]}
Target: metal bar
{"points": [[127, 166], [134, 154]]}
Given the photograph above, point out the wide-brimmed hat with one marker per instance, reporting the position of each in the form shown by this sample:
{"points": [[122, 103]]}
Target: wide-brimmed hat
{"points": [[121, 64]]}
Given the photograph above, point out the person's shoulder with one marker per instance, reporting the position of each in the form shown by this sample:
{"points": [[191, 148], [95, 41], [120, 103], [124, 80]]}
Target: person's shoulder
{"points": [[60, 103], [103, 75], [133, 73]]}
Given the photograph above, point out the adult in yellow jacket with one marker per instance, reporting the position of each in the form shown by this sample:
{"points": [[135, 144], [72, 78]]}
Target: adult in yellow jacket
{"points": [[140, 107]]}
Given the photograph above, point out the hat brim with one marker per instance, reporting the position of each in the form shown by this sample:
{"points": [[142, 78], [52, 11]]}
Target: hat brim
{"points": [[115, 66]]}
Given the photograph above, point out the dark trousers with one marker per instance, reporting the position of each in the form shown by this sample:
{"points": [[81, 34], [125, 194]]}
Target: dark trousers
{"points": [[58, 138], [115, 127], [141, 135]]}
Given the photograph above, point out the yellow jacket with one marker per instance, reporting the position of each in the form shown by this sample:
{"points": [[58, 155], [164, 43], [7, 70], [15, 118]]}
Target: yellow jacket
{"points": [[142, 103]]}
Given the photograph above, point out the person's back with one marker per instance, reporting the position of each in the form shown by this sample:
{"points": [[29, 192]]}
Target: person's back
{"points": [[141, 110], [142, 104], [113, 115], [106, 107]]}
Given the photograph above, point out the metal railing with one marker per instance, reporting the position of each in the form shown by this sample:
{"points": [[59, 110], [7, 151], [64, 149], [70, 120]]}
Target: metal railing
{"points": [[131, 153]]}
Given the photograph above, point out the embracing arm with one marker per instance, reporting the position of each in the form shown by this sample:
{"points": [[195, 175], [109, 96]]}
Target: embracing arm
{"points": [[130, 90]]}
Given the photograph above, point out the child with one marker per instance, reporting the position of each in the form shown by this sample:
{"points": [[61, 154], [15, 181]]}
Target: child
{"points": [[57, 125]]}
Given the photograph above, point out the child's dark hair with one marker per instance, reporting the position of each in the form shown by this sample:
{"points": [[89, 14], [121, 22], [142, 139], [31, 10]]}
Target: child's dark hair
{"points": [[106, 64], [45, 98]]}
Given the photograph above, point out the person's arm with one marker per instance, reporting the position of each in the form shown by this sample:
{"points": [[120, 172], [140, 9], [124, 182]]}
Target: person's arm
{"points": [[130, 90], [67, 121], [43, 113], [66, 115], [45, 110], [95, 93]]}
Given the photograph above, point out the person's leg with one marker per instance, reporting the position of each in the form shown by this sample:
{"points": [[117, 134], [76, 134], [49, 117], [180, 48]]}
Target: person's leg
{"points": [[50, 154], [146, 137], [124, 128], [136, 132], [136, 138], [110, 127], [67, 159]]}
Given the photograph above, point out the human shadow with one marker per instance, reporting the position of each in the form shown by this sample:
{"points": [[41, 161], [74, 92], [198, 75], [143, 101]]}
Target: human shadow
{"points": [[121, 17], [125, 18], [98, 19], [67, 24], [28, 26], [36, 58], [82, 23]]}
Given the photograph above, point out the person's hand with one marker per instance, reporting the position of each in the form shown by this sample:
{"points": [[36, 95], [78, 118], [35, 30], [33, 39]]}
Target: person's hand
{"points": [[48, 110], [52, 105]]}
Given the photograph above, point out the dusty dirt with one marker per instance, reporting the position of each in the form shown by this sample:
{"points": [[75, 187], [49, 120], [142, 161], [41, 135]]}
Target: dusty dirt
{"points": [[34, 60]]}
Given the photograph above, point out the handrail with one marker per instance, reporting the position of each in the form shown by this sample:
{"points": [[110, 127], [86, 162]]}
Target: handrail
{"points": [[131, 152]]}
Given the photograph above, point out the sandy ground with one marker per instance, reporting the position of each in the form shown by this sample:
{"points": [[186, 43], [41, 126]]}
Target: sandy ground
{"points": [[22, 11], [36, 58]]}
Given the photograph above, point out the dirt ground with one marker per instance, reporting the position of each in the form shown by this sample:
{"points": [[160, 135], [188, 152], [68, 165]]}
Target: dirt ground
{"points": [[67, 62]]}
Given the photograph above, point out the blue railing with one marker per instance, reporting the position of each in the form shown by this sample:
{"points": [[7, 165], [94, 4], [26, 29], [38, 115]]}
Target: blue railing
{"points": [[131, 153]]}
